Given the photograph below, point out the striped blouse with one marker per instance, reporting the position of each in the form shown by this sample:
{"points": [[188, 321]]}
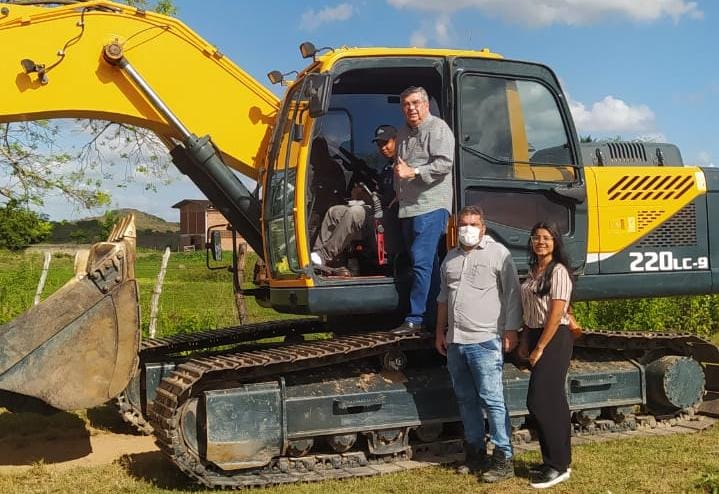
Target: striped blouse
{"points": [[536, 307]]}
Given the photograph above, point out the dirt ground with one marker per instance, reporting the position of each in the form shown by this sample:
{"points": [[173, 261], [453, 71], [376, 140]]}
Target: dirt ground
{"points": [[67, 440], [68, 452]]}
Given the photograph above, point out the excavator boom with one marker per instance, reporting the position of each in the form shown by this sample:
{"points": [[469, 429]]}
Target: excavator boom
{"points": [[56, 70]]}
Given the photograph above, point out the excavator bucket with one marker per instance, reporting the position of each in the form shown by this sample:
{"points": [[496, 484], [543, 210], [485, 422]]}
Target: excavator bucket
{"points": [[79, 348]]}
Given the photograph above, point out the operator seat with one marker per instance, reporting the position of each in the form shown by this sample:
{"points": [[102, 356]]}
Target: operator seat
{"points": [[328, 185]]}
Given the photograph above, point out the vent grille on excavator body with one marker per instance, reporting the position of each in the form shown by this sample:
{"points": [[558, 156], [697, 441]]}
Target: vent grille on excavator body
{"points": [[623, 153], [678, 231], [627, 152]]}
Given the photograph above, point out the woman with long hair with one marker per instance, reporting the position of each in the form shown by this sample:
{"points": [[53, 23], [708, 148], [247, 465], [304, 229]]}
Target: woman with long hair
{"points": [[547, 343]]}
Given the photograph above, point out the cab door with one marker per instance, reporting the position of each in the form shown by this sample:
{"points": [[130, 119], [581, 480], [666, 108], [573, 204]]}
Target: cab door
{"points": [[518, 153]]}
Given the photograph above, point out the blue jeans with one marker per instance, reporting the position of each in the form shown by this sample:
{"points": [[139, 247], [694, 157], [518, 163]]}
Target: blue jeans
{"points": [[476, 372], [422, 234]]}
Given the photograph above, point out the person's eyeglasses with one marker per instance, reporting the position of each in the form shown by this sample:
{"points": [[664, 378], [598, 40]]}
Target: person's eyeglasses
{"points": [[413, 103], [537, 238]]}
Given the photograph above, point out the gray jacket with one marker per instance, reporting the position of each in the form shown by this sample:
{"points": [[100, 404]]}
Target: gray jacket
{"points": [[430, 148], [482, 291]]}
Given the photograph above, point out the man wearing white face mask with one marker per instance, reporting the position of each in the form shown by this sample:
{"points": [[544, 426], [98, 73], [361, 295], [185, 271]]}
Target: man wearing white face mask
{"points": [[479, 310]]}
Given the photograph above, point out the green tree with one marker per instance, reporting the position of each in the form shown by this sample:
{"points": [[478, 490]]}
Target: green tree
{"points": [[107, 221], [20, 227], [166, 7], [78, 236], [32, 165]]}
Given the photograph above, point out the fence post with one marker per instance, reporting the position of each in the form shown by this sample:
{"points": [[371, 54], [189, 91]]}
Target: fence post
{"points": [[43, 277], [239, 276], [156, 293]]}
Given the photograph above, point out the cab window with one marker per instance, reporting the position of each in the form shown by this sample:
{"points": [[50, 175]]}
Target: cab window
{"points": [[512, 129]]}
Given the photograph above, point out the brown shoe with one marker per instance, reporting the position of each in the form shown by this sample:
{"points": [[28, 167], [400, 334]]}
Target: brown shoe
{"points": [[342, 271], [407, 329]]}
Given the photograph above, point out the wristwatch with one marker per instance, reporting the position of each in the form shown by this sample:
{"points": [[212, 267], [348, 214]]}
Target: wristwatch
{"points": [[416, 172]]}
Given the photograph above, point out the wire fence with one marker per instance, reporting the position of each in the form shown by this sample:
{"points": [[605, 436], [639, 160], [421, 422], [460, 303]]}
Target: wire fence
{"points": [[193, 298]]}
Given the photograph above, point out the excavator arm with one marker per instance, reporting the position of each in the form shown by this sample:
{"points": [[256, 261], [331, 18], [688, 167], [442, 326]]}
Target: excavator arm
{"points": [[52, 66], [103, 60]]}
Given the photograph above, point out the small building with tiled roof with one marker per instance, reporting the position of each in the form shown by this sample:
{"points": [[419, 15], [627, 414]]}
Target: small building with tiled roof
{"points": [[196, 217]]}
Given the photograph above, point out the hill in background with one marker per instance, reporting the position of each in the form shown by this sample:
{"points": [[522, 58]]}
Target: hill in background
{"points": [[145, 221], [152, 231]]}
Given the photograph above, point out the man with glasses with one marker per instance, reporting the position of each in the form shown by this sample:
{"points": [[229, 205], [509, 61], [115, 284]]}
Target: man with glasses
{"points": [[423, 182]]}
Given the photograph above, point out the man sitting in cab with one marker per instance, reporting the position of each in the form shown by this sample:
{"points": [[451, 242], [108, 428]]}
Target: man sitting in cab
{"points": [[363, 217]]}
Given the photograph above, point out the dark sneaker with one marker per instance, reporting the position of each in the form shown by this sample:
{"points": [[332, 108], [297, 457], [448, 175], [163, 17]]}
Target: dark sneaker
{"points": [[549, 477], [501, 468], [475, 461], [407, 329]]}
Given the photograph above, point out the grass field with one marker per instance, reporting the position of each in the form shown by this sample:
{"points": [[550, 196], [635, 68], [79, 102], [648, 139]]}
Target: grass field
{"points": [[194, 298], [669, 464]]}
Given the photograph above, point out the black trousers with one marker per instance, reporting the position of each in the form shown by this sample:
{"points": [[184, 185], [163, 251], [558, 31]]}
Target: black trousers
{"points": [[547, 397]]}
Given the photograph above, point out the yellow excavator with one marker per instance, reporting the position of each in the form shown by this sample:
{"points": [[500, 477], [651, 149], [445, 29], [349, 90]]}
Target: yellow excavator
{"points": [[231, 410]]}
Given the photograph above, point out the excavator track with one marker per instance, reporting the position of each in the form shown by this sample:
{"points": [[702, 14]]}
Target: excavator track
{"points": [[204, 340], [187, 378], [168, 347], [684, 343], [703, 351], [193, 376]]}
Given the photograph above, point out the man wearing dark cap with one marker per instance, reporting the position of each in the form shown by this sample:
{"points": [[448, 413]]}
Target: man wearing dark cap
{"points": [[342, 222]]}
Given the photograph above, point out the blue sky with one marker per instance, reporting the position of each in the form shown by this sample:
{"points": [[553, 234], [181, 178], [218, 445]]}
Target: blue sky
{"points": [[633, 68]]}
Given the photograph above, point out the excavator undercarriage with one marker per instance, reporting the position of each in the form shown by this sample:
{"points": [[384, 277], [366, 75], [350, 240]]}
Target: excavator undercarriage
{"points": [[359, 402]]}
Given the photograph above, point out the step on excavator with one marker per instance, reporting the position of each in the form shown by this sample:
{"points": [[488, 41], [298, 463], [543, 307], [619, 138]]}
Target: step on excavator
{"points": [[231, 409]]}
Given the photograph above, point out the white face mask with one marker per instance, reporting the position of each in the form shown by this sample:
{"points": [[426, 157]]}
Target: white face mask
{"points": [[469, 235]]}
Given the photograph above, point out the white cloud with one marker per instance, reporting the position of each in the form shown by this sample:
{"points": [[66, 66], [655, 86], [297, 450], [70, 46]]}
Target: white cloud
{"points": [[418, 39], [437, 33], [651, 137], [572, 12], [442, 28], [705, 158], [614, 116], [312, 19]]}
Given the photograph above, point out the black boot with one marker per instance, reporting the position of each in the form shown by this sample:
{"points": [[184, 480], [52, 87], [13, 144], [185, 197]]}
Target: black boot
{"points": [[502, 468], [475, 460]]}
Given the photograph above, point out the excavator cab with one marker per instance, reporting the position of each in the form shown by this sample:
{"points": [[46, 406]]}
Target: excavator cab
{"points": [[516, 153]]}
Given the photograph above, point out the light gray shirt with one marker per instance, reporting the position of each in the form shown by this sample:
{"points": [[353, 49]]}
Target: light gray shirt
{"points": [[430, 149], [481, 288]]}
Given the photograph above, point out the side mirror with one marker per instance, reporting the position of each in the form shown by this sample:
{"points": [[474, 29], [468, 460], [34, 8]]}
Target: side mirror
{"points": [[216, 245], [317, 89]]}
